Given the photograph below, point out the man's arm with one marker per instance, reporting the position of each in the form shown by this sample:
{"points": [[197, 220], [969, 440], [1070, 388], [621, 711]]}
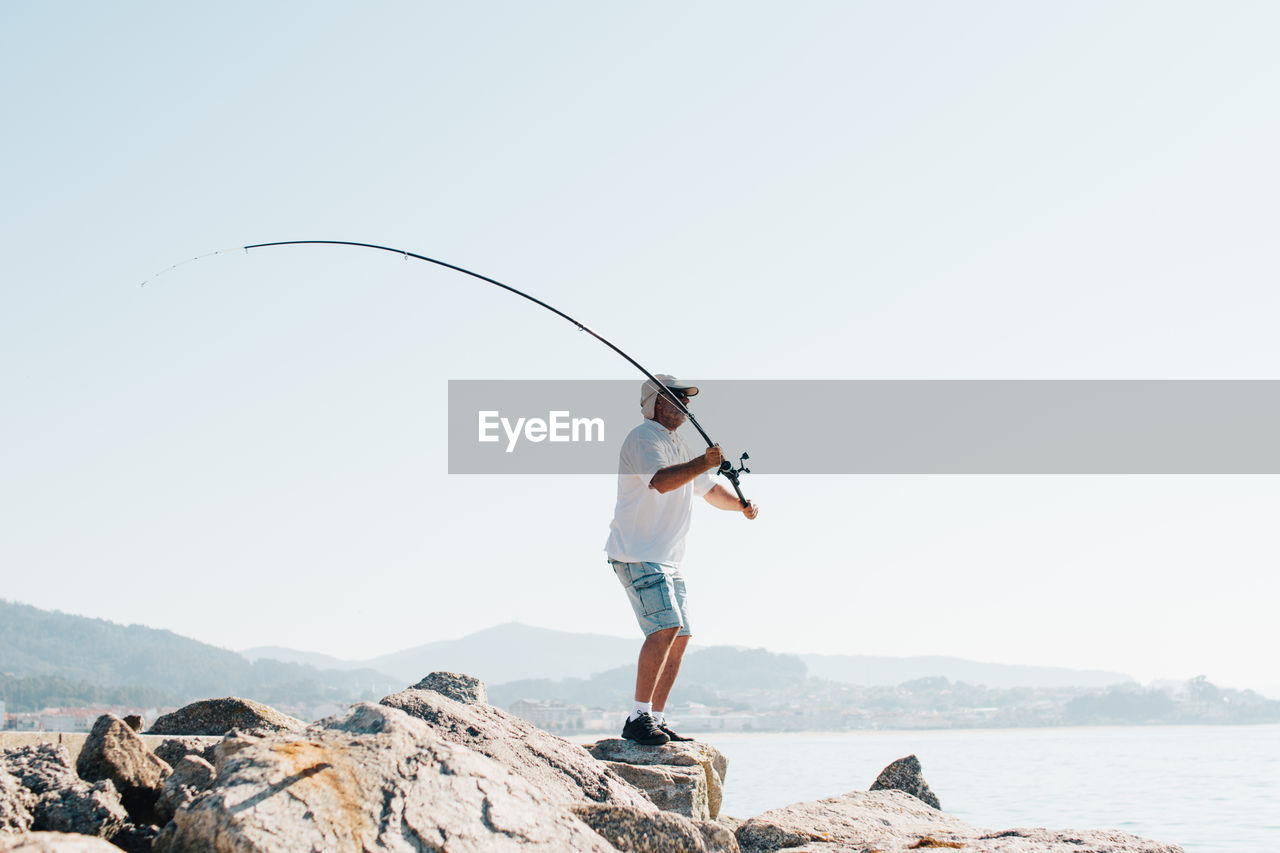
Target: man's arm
{"points": [[674, 476], [721, 498]]}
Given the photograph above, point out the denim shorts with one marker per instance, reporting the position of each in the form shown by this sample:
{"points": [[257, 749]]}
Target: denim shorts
{"points": [[657, 595]]}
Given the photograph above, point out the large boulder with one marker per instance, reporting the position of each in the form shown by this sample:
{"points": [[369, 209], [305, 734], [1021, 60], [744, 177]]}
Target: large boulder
{"points": [[230, 745], [114, 751], [16, 803], [64, 802], [219, 716], [192, 777], [1068, 841], [56, 842], [172, 750], [40, 768], [455, 685], [631, 829], [682, 790], [372, 778], [894, 821], [561, 770], [677, 753], [905, 775]]}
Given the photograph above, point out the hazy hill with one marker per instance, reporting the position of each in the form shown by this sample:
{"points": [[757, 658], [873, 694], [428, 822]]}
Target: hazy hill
{"points": [[510, 652], [713, 676], [886, 671], [316, 659], [513, 652], [78, 649]]}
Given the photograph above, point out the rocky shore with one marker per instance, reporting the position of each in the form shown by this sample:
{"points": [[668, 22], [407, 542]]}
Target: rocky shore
{"points": [[435, 767]]}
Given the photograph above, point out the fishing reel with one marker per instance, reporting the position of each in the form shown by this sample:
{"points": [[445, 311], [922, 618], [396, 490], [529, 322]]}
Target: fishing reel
{"points": [[726, 467], [731, 473]]}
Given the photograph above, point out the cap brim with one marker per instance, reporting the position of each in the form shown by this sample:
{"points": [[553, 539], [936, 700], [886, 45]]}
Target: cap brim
{"points": [[687, 390]]}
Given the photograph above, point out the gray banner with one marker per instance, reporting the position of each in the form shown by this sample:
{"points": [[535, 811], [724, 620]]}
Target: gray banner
{"points": [[884, 427]]}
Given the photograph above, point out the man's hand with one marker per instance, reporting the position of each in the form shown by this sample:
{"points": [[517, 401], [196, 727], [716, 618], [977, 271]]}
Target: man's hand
{"points": [[713, 457], [751, 510]]}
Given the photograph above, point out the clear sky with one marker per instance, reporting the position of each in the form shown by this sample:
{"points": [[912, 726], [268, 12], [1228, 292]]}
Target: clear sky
{"points": [[251, 450]]}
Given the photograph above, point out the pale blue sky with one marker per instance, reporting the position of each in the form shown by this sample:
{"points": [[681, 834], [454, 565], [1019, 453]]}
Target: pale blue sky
{"points": [[251, 450]]}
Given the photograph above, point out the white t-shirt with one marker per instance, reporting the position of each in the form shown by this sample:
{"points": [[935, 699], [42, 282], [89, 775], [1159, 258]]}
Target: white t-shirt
{"points": [[649, 527]]}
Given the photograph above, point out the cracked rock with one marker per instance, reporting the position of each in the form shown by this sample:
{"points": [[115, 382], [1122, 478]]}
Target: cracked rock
{"points": [[372, 778]]}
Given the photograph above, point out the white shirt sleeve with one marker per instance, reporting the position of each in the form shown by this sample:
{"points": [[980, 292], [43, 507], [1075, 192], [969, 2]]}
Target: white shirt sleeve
{"points": [[703, 483], [642, 458]]}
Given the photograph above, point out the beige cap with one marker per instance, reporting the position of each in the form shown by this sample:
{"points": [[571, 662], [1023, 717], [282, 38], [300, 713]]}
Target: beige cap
{"points": [[649, 392]]}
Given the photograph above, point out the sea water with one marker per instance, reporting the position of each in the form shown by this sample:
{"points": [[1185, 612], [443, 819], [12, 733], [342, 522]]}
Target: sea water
{"points": [[1207, 788]]}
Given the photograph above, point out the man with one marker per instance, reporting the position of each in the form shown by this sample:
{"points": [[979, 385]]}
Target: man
{"points": [[658, 478]]}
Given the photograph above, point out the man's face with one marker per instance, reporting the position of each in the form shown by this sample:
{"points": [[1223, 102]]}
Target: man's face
{"points": [[666, 412]]}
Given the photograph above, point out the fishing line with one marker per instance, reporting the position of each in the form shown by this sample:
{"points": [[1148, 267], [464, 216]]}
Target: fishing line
{"points": [[726, 467]]}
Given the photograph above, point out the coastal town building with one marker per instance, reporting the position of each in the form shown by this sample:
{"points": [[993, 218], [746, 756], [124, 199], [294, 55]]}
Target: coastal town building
{"points": [[550, 715], [697, 717], [70, 719]]}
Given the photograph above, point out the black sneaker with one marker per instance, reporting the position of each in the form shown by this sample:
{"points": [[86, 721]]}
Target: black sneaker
{"points": [[643, 730], [672, 736]]}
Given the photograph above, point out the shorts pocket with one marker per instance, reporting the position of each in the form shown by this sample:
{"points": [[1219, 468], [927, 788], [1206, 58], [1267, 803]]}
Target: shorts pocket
{"points": [[653, 593]]}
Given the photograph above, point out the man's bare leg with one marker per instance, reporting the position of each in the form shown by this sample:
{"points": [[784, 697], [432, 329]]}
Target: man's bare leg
{"points": [[652, 663], [670, 669]]}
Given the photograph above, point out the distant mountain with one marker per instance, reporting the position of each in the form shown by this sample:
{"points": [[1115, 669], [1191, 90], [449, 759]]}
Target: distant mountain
{"points": [[503, 653], [712, 676], [514, 653], [510, 652], [280, 653], [36, 642], [887, 671]]}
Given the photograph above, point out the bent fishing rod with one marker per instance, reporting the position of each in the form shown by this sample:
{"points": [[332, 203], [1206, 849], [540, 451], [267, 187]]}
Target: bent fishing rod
{"points": [[726, 467]]}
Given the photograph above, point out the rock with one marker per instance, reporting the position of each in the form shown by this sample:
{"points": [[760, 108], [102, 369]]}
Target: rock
{"points": [[114, 751], [561, 770], [39, 768], [16, 803], [730, 823], [894, 821], [716, 837], [1076, 841], [230, 745], [373, 778], [885, 819], [134, 722], [905, 775], [455, 685], [219, 716], [56, 842], [680, 754], [64, 802], [638, 831], [81, 808], [682, 790], [173, 750], [135, 838], [192, 777]]}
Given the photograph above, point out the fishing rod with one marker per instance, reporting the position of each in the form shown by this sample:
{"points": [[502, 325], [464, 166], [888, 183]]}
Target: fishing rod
{"points": [[726, 467]]}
